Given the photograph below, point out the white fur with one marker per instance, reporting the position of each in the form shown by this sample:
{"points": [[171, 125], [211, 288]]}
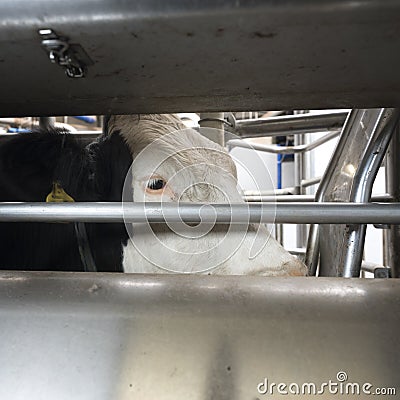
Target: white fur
{"points": [[196, 170]]}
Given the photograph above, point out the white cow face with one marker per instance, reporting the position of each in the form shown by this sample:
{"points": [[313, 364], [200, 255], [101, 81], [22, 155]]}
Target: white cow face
{"points": [[184, 167], [175, 164]]}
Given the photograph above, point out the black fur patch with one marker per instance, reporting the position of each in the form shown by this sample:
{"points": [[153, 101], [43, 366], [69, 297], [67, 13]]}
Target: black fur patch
{"points": [[29, 164]]}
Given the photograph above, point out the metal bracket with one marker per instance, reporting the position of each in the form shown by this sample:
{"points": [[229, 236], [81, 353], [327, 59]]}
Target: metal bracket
{"points": [[71, 57], [382, 273]]}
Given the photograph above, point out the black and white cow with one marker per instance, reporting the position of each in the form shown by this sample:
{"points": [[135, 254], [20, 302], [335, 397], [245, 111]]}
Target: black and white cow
{"points": [[29, 165], [171, 164]]}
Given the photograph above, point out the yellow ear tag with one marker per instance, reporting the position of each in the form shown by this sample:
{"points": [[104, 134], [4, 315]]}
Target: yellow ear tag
{"points": [[58, 195]]}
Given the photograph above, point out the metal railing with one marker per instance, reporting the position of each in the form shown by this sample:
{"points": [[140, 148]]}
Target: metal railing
{"points": [[274, 149], [292, 213], [290, 124]]}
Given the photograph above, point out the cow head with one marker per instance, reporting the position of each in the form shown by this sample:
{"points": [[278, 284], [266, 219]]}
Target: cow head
{"points": [[175, 164]]}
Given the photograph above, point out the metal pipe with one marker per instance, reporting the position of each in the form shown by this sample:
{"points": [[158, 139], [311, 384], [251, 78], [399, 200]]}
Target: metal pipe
{"points": [[298, 178], [301, 148], [362, 186], [301, 251], [380, 198], [292, 213], [290, 125], [46, 122], [279, 233], [310, 182], [312, 253], [215, 122], [368, 266], [392, 234], [280, 199], [275, 192]]}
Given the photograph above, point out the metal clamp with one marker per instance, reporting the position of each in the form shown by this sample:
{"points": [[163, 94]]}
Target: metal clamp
{"points": [[62, 53]]}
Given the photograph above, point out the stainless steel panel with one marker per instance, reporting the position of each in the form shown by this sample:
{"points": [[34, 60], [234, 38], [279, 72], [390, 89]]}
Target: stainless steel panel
{"points": [[105, 336], [202, 55]]}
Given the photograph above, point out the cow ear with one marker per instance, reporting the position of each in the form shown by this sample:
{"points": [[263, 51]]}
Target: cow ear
{"points": [[106, 120], [111, 162]]}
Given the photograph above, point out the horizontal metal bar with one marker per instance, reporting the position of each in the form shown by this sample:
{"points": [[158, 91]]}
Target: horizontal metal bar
{"points": [[254, 196], [299, 251], [291, 124], [289, 191], [285, 198], [292, 213], [311, 181], [368, 266], [336, 70], [115, 335], [274, 149]]}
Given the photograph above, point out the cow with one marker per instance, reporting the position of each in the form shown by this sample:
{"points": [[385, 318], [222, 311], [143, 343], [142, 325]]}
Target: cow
{"points": [[173, 163], [170, 163], [31, 164]]}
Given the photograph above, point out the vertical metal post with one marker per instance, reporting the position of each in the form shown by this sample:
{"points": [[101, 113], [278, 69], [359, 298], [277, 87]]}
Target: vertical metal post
{"points": [[215, 121], [393, 188], [279, 233], [46, 122], [298, 177], [313, 248], [362, 187], [335, 185]]}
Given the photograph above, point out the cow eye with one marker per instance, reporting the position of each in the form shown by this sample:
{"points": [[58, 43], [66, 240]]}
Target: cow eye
{"points": [[156, 184]]}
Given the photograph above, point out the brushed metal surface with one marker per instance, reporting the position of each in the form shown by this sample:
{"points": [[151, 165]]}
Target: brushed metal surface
{"points": [[235, 213], [126, 336], [345, 162], [202, 55]]}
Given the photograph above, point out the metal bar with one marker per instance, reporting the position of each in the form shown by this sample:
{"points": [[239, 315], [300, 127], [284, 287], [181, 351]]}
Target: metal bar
{"points": [[336, 70], [301, 251], [312, 254], [298, 177], [293, 213], [310, 182], [362, 186], [281, 199], [301, 148], [279, 233], [115, 335], [393, 187], [46, 122], [368, 266], [290, 124], [275, 192], [380, 198], [215, 124]]}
